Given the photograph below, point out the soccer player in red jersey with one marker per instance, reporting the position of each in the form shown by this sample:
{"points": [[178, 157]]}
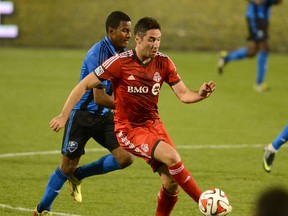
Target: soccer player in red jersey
{"points": [[137, 76]]}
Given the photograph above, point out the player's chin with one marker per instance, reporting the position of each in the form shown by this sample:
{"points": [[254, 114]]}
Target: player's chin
{"points": [[125, 43]]}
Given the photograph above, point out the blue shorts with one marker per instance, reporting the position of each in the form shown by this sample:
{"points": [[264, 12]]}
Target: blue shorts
{"points": [[258, 29]]}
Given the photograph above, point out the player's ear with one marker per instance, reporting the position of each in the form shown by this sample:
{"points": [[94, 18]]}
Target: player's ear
{"points": [[111, 30], [137, 38]]}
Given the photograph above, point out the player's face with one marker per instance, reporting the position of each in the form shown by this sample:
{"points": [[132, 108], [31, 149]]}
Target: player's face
{"points": [[149, 44], [120, 36]]}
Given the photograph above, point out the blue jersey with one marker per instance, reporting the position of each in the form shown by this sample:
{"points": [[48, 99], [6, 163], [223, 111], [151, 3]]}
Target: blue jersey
{"points": [[261, 11], [98, 53]]}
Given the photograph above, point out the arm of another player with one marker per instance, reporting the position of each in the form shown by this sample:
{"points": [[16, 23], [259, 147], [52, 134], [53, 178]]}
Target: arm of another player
{"points": [[103, 99], [89, 82], [188, 96]]}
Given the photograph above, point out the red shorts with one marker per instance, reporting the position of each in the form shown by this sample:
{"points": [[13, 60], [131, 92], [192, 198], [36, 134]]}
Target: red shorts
{"points": [[142, 141]]}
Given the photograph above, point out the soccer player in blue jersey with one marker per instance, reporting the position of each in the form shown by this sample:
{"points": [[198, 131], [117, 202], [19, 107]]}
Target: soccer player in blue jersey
{"points": [[271, 149], [257, 15], [91, 120]]}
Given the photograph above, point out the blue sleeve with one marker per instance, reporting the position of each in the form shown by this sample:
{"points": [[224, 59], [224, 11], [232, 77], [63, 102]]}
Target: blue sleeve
{"points": [[102, 85], [92, 62]]}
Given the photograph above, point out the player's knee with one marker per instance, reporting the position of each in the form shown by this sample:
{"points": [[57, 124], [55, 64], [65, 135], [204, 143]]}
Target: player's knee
{"points": [[166, 154], [170, 185], [67, 169], [252, 53], [126, 161], [172, 159], [265, 49], [123, 157], [68, 166]]}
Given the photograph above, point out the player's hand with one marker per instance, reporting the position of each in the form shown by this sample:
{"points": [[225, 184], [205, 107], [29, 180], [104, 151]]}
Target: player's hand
{"points": [[57, 123], [206, 89]]}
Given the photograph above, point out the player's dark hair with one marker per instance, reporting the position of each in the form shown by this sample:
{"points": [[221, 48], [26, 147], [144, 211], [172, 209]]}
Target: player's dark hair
{"points": [[114, 19], [145, 24]]}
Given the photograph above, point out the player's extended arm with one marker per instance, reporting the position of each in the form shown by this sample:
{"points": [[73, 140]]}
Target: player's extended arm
{"points": [[89, 82], [103, 99], [188, 96]]}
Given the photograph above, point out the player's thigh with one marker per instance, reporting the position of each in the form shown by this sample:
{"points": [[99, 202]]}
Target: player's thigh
{"points": [[103, 132], [75, 135], [166, 154], [257, 29]]}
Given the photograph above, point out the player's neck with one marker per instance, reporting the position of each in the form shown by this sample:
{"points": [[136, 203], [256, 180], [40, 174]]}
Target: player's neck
{"points": [[144, 59]]}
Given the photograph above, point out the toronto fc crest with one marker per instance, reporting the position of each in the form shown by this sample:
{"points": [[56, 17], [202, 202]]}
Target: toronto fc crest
{"points": [[145, 147], [157, 77]]}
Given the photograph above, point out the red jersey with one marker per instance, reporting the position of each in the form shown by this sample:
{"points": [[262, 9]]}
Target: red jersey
{"points": [[136, 86]]}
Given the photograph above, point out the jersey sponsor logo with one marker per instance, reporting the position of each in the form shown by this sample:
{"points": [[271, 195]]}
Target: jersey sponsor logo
{"points": [[157, 78], [131, 77], [144, 89], [135, 89], [99, 70], [155, 89], [72, 146]]}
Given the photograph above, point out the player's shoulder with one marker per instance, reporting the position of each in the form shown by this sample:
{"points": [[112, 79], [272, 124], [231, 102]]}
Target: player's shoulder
{"points": [[163, 58], [121, 56], [161, 55], [97, 47], [126, 54]]}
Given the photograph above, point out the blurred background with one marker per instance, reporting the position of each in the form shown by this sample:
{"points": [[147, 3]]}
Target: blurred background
{"points": [[186, 24]]}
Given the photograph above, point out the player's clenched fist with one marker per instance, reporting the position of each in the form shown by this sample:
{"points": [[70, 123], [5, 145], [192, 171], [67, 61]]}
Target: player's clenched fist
{"points": [[206, 89]]}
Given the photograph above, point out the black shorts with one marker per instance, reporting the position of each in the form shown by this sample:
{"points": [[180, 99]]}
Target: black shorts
{"points": [[83, 125], [258, 29]]}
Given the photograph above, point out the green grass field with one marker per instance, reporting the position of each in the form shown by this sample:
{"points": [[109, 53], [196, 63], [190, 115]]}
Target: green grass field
{"points": [[220, 140]]}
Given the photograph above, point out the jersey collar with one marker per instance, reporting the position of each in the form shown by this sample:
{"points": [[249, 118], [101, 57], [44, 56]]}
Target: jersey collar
{"points": [[110, 46], [139, 61]]}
